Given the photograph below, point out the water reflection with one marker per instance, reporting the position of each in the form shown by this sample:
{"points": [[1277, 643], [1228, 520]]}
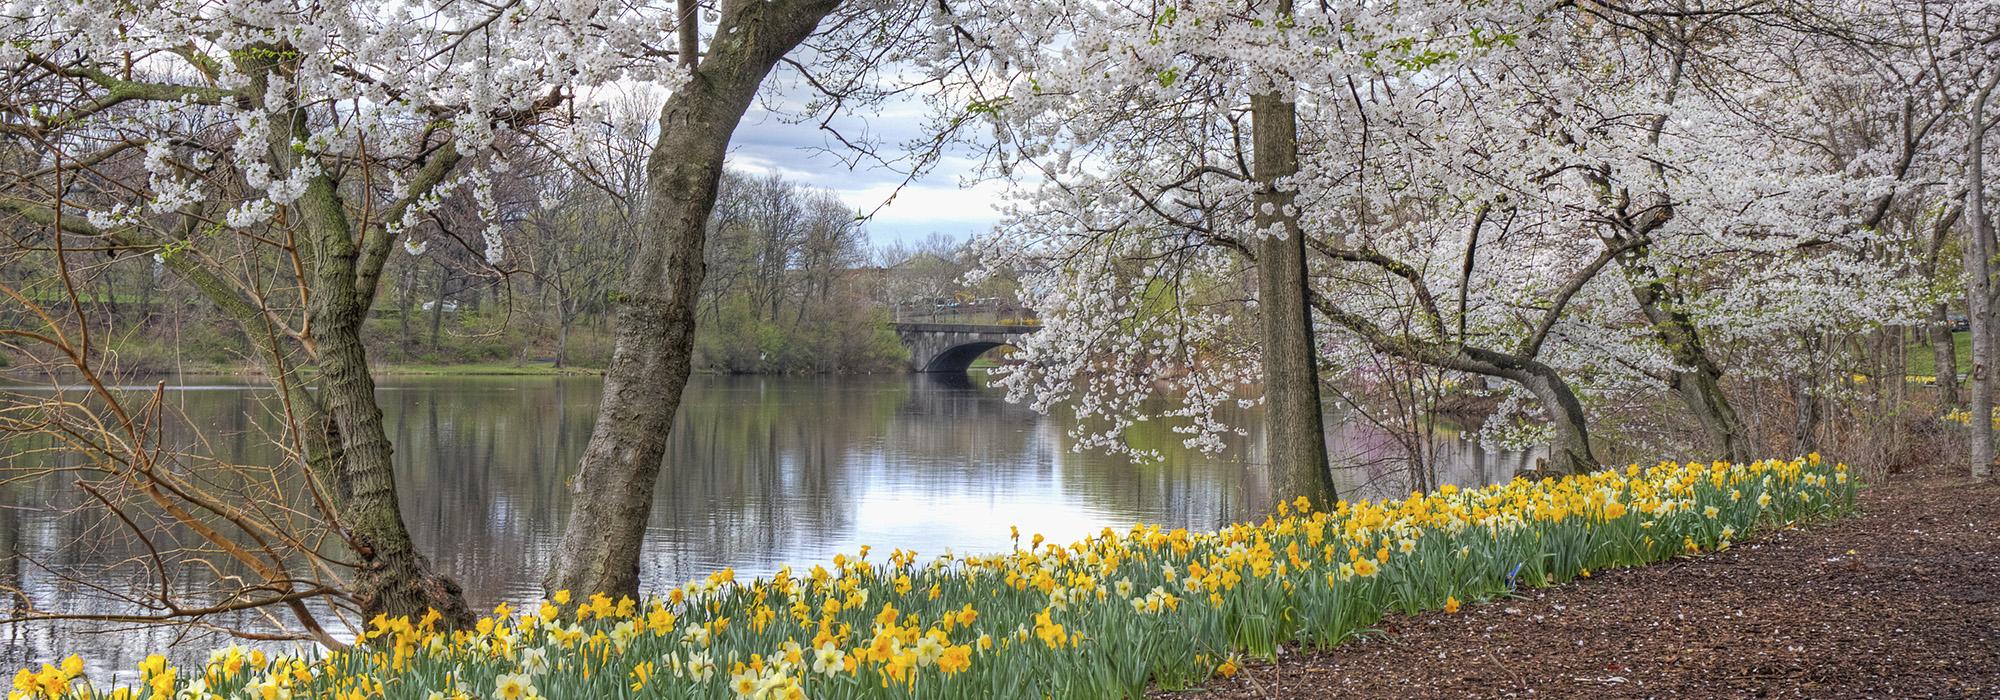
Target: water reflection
{"points": [[761, 472]]}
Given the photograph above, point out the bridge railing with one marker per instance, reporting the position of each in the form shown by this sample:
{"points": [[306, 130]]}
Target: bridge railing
{"points": [[969, 314], [966, 328]]}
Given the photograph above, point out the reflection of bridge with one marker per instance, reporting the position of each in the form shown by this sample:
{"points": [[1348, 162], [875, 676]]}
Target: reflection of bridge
{"points": [[951, 347]]}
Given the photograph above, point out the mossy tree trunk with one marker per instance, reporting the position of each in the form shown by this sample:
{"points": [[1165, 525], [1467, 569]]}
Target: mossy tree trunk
{"points": [[1696, 378], [343, 262]]}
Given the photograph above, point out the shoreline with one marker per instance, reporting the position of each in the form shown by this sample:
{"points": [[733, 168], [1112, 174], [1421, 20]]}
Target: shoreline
{"points": [[469, 369]]}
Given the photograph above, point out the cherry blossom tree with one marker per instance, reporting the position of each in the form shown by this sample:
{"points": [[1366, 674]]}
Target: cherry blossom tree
{"points": [[1554, 197], [1139, 120], [275, 155]]}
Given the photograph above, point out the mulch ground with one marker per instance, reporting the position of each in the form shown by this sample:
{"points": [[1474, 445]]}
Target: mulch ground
{"points": [[1899, 601]]}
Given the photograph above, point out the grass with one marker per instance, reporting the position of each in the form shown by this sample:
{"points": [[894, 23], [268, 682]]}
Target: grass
{"points": [[1923, 364]]}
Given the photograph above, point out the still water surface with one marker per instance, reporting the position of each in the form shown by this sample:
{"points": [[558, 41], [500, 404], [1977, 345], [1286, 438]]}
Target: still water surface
{"points": [[761, 472]]}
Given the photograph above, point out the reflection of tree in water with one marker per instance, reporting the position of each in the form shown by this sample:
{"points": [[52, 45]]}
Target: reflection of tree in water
{"points": [[1462, 460], [58, 557], [482, 462], [953, 419], [14, 642], [1371, 463], [968, 427], [770, 471], [758, 468], [754, 470]]}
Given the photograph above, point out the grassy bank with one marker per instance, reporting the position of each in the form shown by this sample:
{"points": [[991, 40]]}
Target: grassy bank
{"points": [[526, 369]]}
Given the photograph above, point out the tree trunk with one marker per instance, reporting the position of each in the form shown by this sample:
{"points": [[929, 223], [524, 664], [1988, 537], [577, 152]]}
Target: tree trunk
{"points": [[1295, 434], [565, 317], [1569, 451], [1980, 273], [1701, 391], [1805, 415], [1938, 332], [403, 305], [393, 578], [612, 493], [1696, 379], [437, 307], [1944, 357]]}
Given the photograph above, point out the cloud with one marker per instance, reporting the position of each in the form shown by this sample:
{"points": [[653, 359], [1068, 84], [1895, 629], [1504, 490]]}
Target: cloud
{"points": [[927, 202], [767, 142], [770, 139], [924, 207]]}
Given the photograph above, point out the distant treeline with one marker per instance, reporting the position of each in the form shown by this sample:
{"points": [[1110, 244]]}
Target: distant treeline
{"points": [[793, 285]]}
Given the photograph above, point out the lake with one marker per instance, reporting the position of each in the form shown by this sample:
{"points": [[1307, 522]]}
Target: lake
{"points": [[763, 471]]}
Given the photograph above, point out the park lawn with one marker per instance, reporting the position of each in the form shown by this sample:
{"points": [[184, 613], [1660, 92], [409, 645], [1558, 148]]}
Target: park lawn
{"points": [[1922, 364]]}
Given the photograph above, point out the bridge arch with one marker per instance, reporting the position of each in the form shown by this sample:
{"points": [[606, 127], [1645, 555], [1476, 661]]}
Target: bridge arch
{"points": [[959, 358], [950, 347]]}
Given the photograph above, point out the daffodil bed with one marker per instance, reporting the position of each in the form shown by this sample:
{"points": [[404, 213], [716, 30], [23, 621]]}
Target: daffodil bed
{"points": [[1106, 617]]}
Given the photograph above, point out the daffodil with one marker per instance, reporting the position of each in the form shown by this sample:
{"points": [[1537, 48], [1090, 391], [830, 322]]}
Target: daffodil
{"points": [[514, 686], [828, 659]]}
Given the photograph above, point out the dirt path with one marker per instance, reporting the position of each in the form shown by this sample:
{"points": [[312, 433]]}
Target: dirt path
{"points": [[1901, 601]]}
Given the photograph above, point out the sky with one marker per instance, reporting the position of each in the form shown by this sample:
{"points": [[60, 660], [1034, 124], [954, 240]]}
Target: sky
{"points": [[942, 201]]}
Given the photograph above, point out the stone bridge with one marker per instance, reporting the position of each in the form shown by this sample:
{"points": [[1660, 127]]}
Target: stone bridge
{"points": [[951, 347]]}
